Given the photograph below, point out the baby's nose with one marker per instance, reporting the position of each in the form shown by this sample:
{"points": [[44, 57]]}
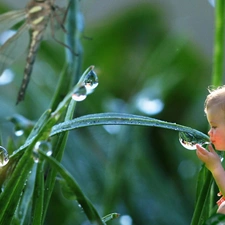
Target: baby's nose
{"points": [[210, 132]]}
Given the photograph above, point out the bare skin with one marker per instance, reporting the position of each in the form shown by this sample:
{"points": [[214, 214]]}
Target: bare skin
{"points": [[216, 119]]}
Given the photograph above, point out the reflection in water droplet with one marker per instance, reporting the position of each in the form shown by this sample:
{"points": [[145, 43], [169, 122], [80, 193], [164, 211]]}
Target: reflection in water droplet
{"points": [[91, 81], [80, 94], [4, 158], [189, 141], [44, 146]]}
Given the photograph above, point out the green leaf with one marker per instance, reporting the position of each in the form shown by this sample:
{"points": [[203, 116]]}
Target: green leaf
{"points": [[38, 196], [201, 212], [13, 189], [58, 146], [66, 191], [122, 119], [216, 219], [87, 206]]}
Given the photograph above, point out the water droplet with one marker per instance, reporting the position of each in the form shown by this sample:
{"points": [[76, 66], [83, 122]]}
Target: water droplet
{"points": [[91, 81], [44, 146], [189, 140], [79, 94], [19, 132], [4, 158]]}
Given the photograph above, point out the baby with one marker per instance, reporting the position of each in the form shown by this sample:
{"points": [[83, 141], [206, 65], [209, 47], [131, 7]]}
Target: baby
{"points": [[215, 112]]}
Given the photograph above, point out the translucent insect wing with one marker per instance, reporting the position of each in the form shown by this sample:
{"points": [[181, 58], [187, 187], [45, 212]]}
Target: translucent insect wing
{"points": [[9, 19], [14, 47]]}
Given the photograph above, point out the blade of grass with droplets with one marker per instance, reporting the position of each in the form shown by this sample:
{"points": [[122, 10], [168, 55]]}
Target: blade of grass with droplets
{"points": [[61, 108], [12, 191], [59, 148], [22, 215], [38, 196], [122, 119], [14, 186], [87, 206]]}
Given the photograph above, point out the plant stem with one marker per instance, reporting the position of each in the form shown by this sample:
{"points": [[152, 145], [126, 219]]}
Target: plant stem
{"points": [[217, 75]]}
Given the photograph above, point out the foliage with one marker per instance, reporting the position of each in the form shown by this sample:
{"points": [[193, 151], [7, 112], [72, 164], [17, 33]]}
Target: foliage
{"points": [[141, 171]]}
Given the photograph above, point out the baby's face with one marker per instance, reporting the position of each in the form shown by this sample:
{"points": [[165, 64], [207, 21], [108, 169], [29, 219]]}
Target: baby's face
{"points": [[216, 119]]}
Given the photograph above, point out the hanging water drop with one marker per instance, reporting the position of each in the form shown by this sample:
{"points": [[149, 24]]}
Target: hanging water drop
{"points": [[189, 140], [44, 146], [79, 94], [19, 132], [91, 81], [4, 158]]}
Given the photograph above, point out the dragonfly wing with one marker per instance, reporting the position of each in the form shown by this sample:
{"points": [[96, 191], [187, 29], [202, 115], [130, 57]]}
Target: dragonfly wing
{"points": [[9, 19], [14, 47]]}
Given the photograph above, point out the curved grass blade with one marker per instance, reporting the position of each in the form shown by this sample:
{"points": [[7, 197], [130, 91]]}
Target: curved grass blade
{"points": [[114, 119], [22, 216], [59, 147], [12, 192], [87, 206], [38, 196], [122, 119], [9, 19]]}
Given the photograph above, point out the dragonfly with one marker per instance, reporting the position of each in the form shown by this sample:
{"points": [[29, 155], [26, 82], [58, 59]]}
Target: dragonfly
{"points": [[38, 15]]}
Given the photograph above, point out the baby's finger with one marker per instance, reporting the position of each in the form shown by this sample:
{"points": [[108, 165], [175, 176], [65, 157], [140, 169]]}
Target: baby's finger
{"points": [[201, 152], [200, 148], [211, 149]]}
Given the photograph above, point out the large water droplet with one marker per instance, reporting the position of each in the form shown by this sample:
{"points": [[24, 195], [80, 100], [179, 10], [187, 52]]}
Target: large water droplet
{"points": [[44, 146], [91, 81], [189, 140], [80, 94], [4, 158]]}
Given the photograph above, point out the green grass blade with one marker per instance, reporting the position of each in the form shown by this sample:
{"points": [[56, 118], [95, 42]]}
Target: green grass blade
{"points": [[58, 147], [122, 119], [12, 192], [217, 76], [201, 212], [38, 196], [88, 208]]}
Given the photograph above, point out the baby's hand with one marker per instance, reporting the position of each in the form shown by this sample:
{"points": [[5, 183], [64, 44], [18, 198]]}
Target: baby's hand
{"points": [[210, 158]]}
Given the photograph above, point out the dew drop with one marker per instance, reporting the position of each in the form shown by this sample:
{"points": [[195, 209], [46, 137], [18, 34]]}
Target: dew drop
{"points": [[44, 146], [189, 141], [91, 81], [4, 158], [19, 132], [79, 94]]}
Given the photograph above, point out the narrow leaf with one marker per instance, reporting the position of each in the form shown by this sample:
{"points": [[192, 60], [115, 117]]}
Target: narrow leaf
{"points": [[88, 208]]}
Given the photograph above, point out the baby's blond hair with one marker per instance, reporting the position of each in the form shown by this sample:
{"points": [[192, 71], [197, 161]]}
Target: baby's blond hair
{"points": [[216, 97]]}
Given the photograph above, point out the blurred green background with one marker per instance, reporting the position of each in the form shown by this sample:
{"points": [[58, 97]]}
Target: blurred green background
{"points": [[144, 174]]}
